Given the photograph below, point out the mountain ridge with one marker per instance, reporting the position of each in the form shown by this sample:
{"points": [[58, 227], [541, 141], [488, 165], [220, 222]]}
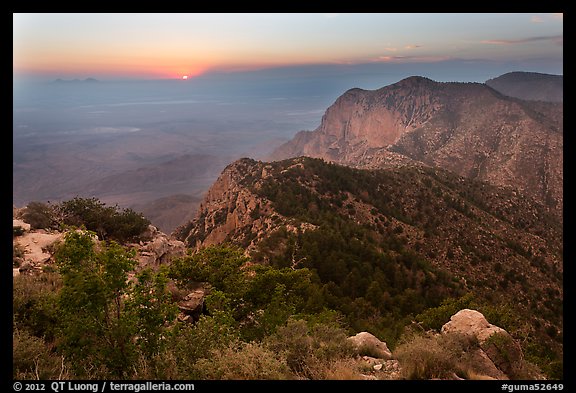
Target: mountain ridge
{"points": [[530, 86], [468, 128], [336, 220]]}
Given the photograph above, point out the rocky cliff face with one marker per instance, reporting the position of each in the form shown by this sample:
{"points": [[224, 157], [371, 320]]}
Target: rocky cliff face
{"points": [[467, 128], [230, 210]]}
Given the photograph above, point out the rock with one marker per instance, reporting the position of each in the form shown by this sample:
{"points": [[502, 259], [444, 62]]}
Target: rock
{"points": [[377, 367], [472, 322], [184, 318], [159, 250], [370, 361], [484, 367], [506, 353], [192, 304], [496, 346], [36, 244], [19, 223], [368, 344], [25, 267]]}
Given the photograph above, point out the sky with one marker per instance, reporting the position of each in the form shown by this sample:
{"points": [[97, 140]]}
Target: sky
{"points": [[170, 46]]}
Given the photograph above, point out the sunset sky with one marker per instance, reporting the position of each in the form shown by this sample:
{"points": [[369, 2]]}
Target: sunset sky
{"points": [[157, 46]]}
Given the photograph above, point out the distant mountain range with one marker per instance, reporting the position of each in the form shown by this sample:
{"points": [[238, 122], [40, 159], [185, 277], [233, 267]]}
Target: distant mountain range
{"points": [[87, 80], [530, 86]]}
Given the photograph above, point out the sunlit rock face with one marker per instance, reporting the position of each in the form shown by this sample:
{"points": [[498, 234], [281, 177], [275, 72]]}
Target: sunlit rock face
{"points": [[467, 128]]}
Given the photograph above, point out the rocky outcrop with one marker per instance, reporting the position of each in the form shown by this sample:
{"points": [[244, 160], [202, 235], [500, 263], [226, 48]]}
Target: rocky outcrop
{"points": [[232, 210], [498, 355], [366, 344], [158, 250], [361, 120], [35, 247], [24, 226], [471, 322], [190, 300], [467, 128]]}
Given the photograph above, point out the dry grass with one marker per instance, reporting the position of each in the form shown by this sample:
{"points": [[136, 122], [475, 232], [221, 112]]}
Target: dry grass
{"points": [[435, 357]]}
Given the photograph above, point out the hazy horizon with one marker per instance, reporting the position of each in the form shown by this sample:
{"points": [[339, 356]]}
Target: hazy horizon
{"points": [[252, 82], [169, 46]]}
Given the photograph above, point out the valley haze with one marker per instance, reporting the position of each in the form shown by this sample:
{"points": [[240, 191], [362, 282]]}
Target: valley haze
{"points": [[157, 145]]}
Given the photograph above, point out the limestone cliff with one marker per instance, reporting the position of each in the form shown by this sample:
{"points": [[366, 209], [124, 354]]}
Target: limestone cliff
{"points": [[467, 128]]}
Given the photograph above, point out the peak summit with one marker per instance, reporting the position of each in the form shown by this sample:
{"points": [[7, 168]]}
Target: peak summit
{"points": [[412, 80]]}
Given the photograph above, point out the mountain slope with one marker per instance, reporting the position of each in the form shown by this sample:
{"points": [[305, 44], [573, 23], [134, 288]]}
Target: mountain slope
{"points": [[415, 229], [530, 86], [467, 128]]}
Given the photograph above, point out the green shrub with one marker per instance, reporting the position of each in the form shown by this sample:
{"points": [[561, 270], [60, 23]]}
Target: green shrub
{"points": [[108, 222], [436, 317], [34, 303]]}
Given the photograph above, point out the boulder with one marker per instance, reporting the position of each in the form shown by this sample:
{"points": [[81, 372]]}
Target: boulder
{"points": [[471, 322], [506, 353], [192, 305], [36, 244], [495, 344], [159, 249], [19, 223], [484, 367], [369, 345]]}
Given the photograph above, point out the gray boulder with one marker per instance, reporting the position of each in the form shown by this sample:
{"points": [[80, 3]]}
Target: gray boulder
{"points": [[367, 344]]}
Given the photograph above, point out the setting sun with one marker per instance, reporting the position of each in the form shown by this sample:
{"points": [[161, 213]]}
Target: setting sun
{"points": [[184, 77]]}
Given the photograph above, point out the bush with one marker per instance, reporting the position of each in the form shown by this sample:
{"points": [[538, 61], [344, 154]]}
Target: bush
{"points": [[39, 215], [33, 359], [436, 317], [436, 357], [310, 351], [17, 254], [34, 303], [108, 222], [344, 369], [243, 361]]}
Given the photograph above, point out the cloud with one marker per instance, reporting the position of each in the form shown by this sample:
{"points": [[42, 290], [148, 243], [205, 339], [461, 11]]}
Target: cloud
{"points": [[557, 39], [412, 59], [330, 16], [547, 17], [537, 19], [412, 46], [391, 49]]}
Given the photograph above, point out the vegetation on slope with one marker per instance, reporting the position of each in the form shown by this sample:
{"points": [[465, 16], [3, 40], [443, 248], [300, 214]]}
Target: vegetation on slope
{"points": [[109, 222], [382, 249]]}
